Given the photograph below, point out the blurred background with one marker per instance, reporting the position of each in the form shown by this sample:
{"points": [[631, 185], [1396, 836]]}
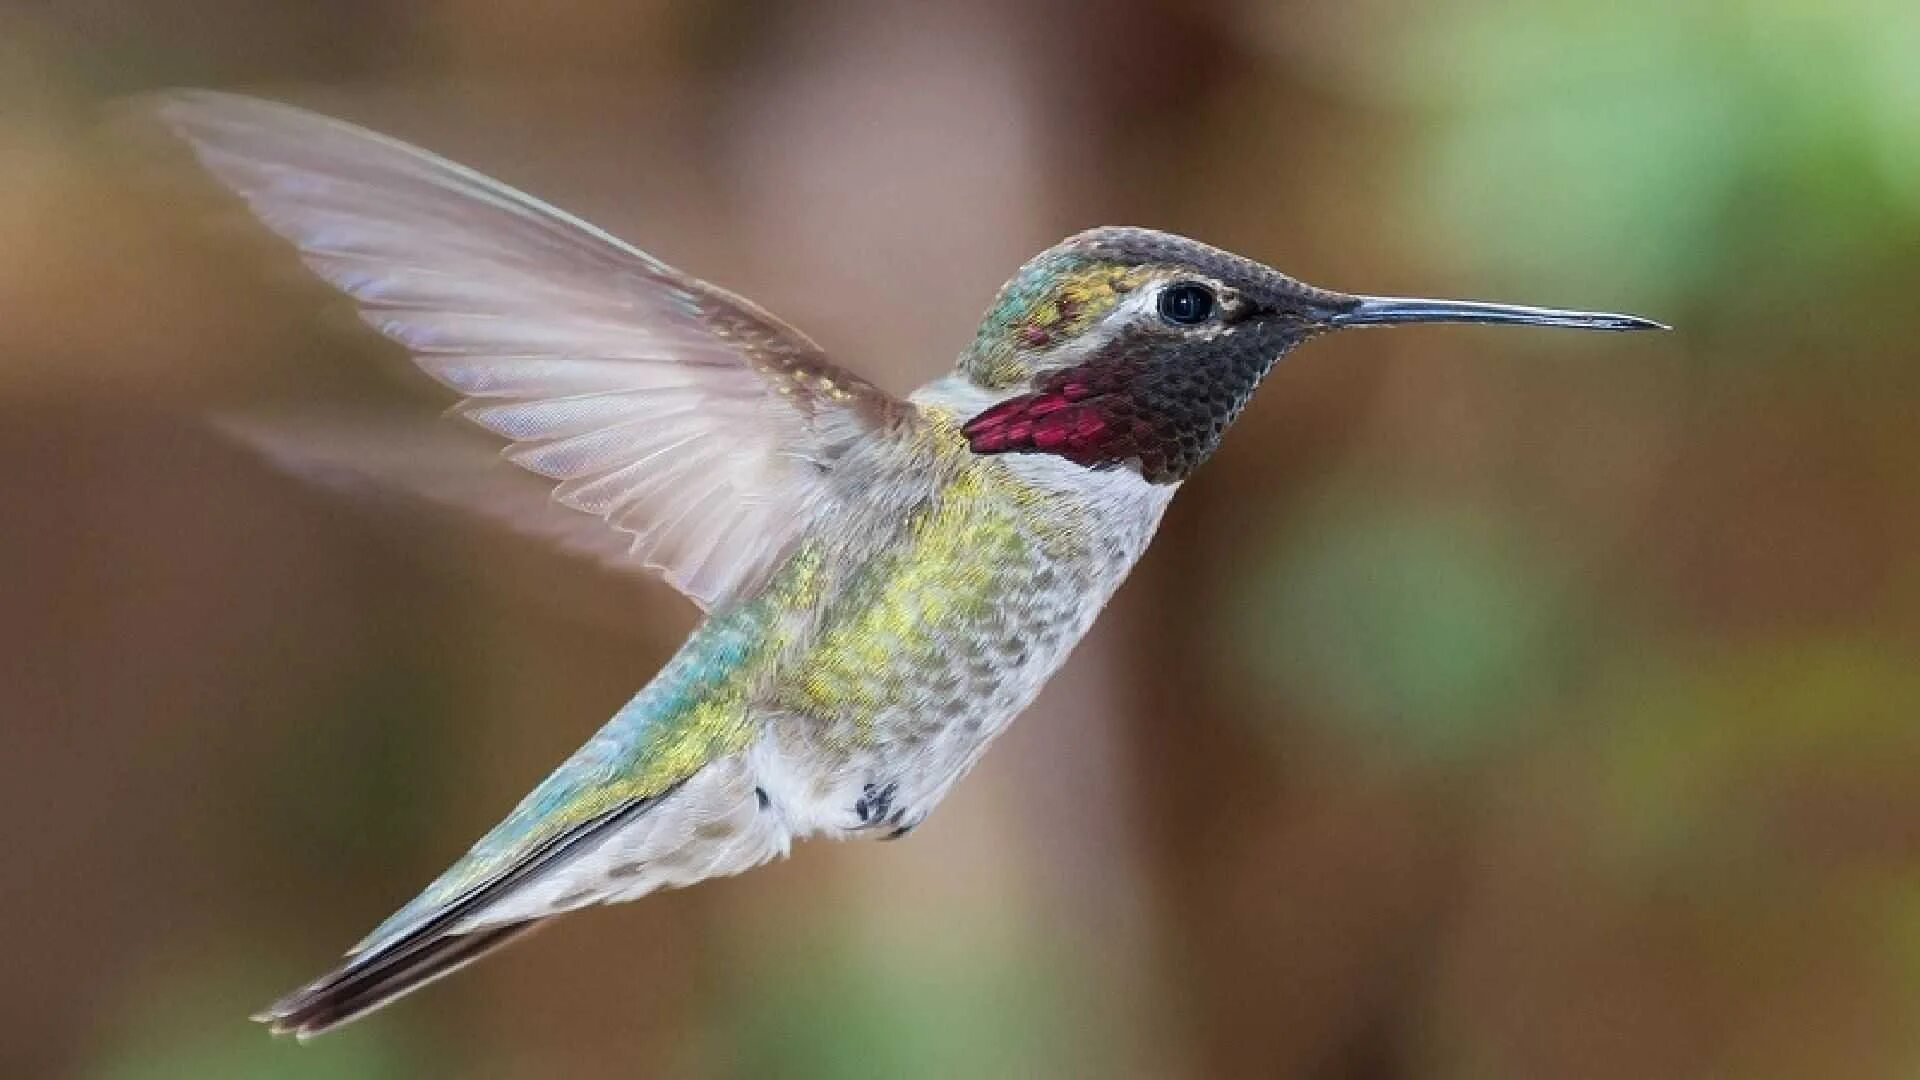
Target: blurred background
{"points": [[1497, 704]]}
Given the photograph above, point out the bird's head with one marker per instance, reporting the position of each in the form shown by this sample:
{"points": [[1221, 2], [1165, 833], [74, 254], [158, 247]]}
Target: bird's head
{"points": [[1130, 347]]}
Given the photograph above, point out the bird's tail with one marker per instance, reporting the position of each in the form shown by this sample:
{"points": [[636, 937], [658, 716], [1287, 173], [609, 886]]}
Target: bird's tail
{"points": [[365, 983], [422, 943]]}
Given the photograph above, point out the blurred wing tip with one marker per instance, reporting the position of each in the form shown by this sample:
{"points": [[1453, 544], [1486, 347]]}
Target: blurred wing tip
{"points": [[187, 112], [191, 103]]}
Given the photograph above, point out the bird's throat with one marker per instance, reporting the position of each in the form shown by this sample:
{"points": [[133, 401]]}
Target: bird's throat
{"points": [[1162, 408]]}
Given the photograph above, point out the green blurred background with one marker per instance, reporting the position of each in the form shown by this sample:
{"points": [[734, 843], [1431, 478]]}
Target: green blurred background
{"points": [[1497, 704]]}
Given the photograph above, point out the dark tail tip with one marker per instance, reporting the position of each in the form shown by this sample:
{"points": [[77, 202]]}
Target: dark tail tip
{"points": [[366, 983]]}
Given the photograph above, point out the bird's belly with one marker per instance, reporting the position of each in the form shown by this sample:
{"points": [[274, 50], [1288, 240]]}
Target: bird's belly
{"points": [[933, 652]]}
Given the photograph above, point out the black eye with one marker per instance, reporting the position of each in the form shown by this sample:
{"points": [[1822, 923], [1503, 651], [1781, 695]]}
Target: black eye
{"points": [[1187, 304]]}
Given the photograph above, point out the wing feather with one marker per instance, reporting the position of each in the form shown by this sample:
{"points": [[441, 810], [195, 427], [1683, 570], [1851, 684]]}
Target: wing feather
{"points": [[700, 427]]}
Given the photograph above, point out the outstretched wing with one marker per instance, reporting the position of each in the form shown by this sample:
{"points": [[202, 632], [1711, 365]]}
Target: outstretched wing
{"points": [[700, 427]]}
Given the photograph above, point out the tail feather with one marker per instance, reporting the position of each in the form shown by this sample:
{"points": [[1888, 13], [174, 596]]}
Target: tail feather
{"points": [[420, 949], [361, 986]]}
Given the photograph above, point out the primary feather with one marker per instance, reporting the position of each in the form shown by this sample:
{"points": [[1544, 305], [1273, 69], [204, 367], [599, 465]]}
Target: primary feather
{"points": [[686, 418]]}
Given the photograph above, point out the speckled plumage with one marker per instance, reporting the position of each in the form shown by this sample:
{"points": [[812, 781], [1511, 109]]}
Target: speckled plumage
{"points": [[888, 582], [886, 652]]}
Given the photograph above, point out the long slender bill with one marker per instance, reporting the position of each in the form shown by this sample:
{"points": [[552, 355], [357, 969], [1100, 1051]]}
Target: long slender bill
{"points": [[1391, 310]]}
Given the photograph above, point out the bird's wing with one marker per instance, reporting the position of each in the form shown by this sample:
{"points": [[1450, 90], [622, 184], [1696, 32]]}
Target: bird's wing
{"points": [[701, 429], [428, 464]]}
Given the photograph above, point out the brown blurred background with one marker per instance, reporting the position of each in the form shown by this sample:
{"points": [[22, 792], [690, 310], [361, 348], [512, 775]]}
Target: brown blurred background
{"points": [[1497, 704]]}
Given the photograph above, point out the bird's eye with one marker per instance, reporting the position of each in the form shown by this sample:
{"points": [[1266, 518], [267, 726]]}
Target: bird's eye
{"points": [[1186, 304]]}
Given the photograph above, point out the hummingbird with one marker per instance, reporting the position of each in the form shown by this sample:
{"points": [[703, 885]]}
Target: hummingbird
{"points": [[887, 581]]}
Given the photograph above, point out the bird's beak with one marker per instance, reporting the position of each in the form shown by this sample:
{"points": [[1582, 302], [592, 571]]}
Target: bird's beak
{"points": [[1390, 310]]}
